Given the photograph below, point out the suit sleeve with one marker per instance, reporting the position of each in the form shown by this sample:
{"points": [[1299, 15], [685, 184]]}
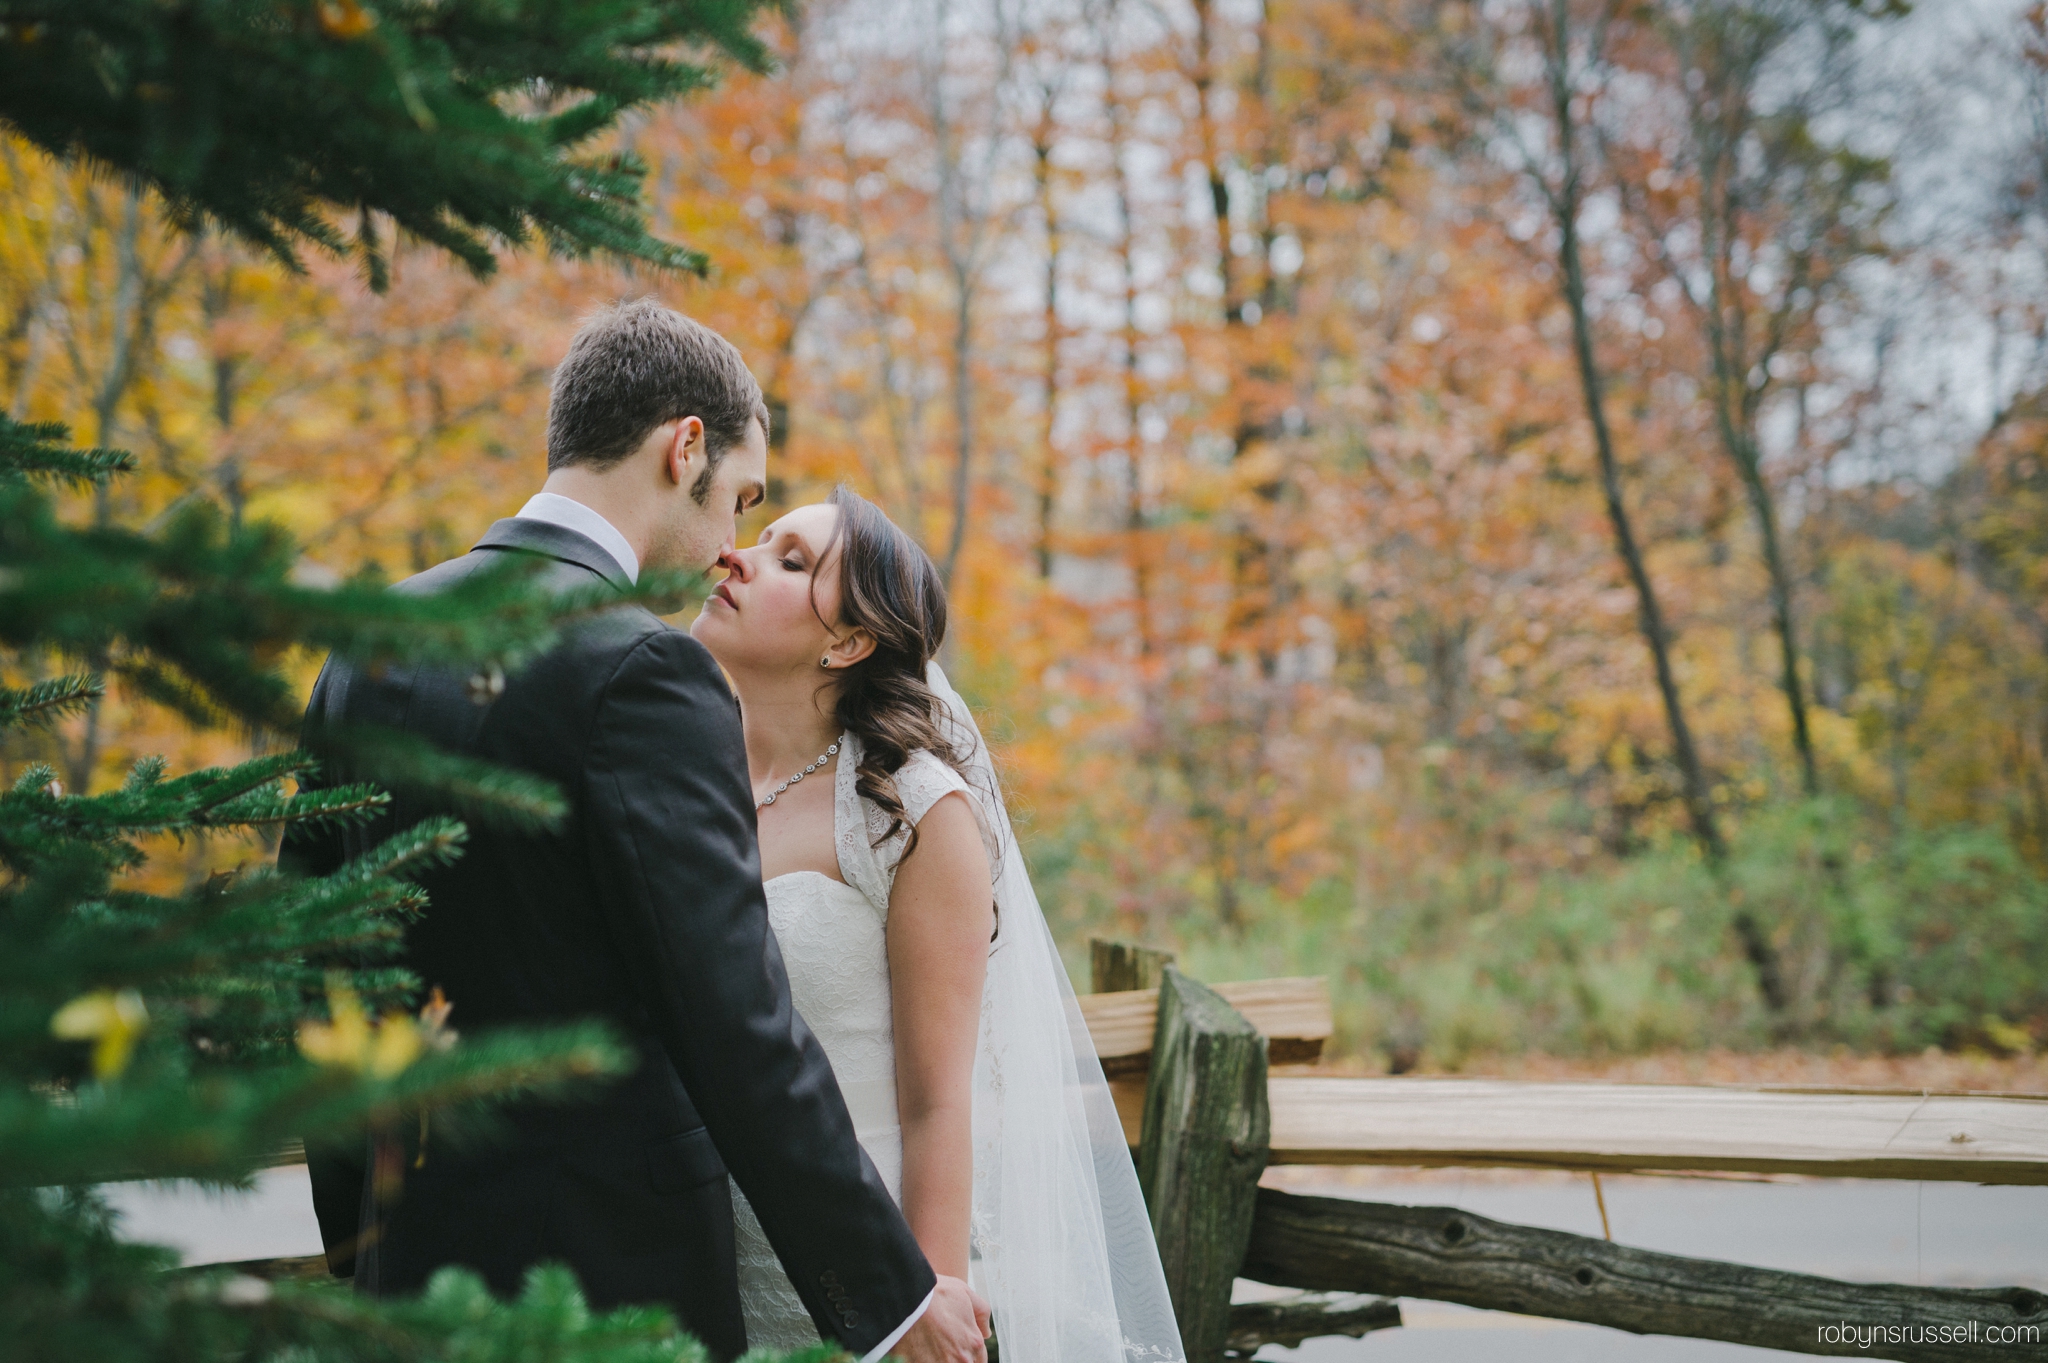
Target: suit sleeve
{"points": [[316, 851], [670, 815], [336, 1170]]}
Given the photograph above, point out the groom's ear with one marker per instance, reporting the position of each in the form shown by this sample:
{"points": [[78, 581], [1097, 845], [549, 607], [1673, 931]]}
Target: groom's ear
{"points": [[685, 452], [855, 647]]}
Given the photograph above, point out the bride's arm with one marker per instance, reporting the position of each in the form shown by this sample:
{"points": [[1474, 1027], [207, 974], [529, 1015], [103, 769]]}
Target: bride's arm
{"points": [[941, 912]]}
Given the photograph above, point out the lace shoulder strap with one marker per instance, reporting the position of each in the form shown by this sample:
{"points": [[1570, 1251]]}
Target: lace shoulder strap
{"points": [[922, 782], [868, 860], [859, 864]]}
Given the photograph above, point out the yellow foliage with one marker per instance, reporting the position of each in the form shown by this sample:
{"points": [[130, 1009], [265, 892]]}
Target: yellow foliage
{"points": [[113, 1020], [1282, 561], [351, 1040]]}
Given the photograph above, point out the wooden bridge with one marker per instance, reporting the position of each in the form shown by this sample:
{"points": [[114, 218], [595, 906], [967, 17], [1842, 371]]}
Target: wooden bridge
{"points": [[1189, 1067]]}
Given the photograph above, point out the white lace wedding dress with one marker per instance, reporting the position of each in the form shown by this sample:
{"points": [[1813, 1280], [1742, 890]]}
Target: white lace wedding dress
{"points": [[832, 937], [1059, 1242]]}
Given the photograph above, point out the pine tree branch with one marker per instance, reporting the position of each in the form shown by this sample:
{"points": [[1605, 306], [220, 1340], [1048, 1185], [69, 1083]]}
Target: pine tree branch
{"points": [[169, 1122], [465, 122], [47, 702], [264, 945], [480, 792], [195, 615], [244, 795], [43, 452]]}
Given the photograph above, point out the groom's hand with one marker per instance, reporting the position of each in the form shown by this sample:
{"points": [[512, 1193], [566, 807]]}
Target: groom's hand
{"points": [[952, 1329]]}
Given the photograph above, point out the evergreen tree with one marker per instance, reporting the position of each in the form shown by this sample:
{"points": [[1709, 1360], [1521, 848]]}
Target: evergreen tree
{"points": [[191, 1034], [459, 120]]}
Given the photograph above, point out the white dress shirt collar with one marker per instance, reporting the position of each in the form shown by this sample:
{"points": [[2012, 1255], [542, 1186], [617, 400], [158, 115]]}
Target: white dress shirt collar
{"points": [[571, 514]]}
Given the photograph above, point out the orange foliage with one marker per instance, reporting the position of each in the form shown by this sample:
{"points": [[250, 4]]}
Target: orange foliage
{"points": [[1331, 597]]}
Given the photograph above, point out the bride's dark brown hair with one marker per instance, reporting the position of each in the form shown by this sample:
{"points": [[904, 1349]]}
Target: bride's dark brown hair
{"points": [[889, 587]]}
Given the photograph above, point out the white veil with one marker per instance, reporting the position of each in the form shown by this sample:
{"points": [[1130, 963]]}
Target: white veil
{"points": [[1062, 1247]]}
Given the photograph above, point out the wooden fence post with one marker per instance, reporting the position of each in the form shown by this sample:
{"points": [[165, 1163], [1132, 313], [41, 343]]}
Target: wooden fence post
{"points": [[1203, 1147], [1121, 967]]}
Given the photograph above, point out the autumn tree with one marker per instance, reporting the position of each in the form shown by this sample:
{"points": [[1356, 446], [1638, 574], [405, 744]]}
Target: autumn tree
{"points": [[1282, 278], [1759, 217]]}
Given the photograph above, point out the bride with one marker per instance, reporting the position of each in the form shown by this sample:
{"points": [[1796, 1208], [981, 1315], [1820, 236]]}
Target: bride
{"points": [[918, 954]]}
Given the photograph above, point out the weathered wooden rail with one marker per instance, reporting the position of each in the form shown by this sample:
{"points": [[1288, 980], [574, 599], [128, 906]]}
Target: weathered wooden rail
{"points": [[1444, 1254], [1610, 1128], [1189, 1065], [1647, 1127], [1211, 1120]]}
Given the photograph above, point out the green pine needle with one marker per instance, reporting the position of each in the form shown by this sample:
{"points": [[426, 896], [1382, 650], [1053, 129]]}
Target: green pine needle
{"points": [[466, 123], [482, 792], [47, 702], [42, 452], [36, 778], [193, 615]]}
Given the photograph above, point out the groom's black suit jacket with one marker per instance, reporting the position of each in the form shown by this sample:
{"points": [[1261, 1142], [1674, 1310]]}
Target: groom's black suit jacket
{"points": [[644, 909]]}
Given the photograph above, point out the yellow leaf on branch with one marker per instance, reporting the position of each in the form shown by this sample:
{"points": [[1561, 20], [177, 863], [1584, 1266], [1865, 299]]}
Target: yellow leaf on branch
{"points": [[352, 1041], [344, 19], [115, 1021]]}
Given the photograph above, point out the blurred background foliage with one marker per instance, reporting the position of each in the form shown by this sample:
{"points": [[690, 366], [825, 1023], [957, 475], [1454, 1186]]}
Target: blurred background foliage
{"points": [[1222, 354]]}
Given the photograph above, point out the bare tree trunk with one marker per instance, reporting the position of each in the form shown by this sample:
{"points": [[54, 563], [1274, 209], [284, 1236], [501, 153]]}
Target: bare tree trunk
{"points": [[1765, 509], [1262, 130], [107, 397], [1048, 466], [1204, 81], [1744, 152], [1257, 562], [902, 424], [1564, 203], [953, 220], [963, 416], [1735, 419], [1134, 486], [216, 300], [963, 220], [121, 339], [1650, 616]]}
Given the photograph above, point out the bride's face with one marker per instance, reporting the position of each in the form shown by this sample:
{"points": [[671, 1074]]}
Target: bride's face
{"points": [[770, 613]]}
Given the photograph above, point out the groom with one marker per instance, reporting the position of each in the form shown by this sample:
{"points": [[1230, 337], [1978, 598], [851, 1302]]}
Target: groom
{"points": [[644, 909]]}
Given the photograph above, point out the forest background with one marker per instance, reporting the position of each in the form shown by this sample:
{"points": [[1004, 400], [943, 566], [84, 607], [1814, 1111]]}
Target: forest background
{"points": [[1239, 363]]}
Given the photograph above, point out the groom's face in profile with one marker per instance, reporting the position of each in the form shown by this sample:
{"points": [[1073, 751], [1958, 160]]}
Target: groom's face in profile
{"points": [[704, 509]]}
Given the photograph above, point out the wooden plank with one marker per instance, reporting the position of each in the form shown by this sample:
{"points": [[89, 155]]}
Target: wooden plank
{"points": [[1659, 1127], [1203, 1150], [1121, 1025], [1307, 1315], [1294, 1014], [1129, 1096], [1285, 1010], [1444, 1254], [1119, 966]]}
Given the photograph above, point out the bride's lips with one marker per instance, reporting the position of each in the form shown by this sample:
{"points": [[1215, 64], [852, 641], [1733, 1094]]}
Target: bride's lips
{"points": [[724, 595]]}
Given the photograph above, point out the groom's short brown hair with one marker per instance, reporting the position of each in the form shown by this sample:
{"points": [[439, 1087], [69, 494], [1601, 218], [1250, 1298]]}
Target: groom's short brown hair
{"points": [[636, 365]]}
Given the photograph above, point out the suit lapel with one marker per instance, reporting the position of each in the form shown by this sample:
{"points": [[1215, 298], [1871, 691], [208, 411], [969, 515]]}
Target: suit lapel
{"points": [[557, 542]]}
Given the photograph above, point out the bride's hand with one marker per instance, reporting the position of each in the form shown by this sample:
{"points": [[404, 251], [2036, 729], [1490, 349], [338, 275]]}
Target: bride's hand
{"points": [[953, 1328]]}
